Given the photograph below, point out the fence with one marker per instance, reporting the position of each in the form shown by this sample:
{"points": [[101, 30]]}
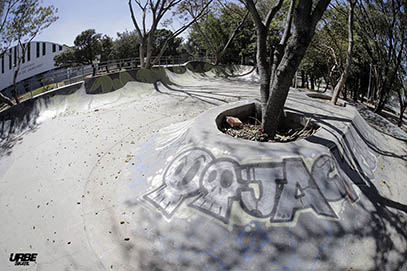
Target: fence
{"points": [[63, 76]]}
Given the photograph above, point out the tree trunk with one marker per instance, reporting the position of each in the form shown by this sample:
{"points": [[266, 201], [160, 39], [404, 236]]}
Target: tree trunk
{"points": [[305, 20], [149, 51], [141, 54], [312, 83], [302, 79], [403, 105], [306, 81], [382, 101], [280, 86], [262, 65], [15, 90], [5, 99], [278, 52], [326, 84], [344, 76]]}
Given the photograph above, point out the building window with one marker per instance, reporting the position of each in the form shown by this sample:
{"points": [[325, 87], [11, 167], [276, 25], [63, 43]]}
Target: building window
{"points": [[15, 56], [23, 55], [54, 48], [38, 49], [29, 52], [10, 59], [44, 48], [60, 47], [2, 64]]}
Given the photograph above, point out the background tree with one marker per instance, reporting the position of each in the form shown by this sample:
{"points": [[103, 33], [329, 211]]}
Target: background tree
{"points": [[161, 37], [382, 26], [328, 46], [157, 9], [87, 46], [216, 31], [28, 19], [314, 66], [66, 58], [126, 45], [106, 48], [344, 75], [6, 7], [327, 54]]}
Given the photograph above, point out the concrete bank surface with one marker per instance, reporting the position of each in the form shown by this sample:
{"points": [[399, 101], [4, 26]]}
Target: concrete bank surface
{"points": [[129, 171]]}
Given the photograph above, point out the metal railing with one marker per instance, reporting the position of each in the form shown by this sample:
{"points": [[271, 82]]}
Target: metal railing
{"points": [[40, 83]]}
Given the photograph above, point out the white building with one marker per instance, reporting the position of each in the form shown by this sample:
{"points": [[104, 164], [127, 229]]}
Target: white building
{"points": [[39, 58]]}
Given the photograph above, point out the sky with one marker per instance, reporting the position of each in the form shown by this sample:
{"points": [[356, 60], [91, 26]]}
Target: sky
{"points": [[105, 16]]}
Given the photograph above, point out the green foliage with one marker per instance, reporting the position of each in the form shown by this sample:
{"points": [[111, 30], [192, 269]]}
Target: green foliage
{"points": [[210, 34], [28, 20], [161, 35], [126, 45], [22, 21], [87, 46], [106, 44], [66, 58]]}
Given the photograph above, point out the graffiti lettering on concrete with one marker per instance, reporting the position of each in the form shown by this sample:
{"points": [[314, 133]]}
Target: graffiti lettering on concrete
{"points": [[180, 181], [265, 190]]}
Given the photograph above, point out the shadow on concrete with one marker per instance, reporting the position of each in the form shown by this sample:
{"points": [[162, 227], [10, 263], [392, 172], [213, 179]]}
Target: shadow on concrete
{"points": [[371, 234], [375, 222], [204, 94]]}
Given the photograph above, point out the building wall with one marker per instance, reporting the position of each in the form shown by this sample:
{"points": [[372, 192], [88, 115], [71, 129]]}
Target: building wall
{"points": [[39, 58]]}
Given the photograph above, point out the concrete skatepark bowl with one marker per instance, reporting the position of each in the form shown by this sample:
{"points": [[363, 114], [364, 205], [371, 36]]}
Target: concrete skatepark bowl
{"points": [[129, 171]]}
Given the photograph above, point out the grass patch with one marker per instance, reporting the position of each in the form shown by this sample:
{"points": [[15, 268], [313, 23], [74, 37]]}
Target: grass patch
{"points": [[38, 91]]}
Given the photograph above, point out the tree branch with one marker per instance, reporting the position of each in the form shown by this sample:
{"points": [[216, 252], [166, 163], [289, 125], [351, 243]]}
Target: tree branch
{"points": [[272, 13]]}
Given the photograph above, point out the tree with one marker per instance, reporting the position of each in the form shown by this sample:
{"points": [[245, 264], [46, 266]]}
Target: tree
{"points": [[160, 38], [106, 48], [6, 7], [126, 45], [158, 9], [66, 58], [328, 46], [275, 82], [87, 46], [216, 32], [28, 19], [382, 26], [402, 95], [315, 64], [340, 85]]}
